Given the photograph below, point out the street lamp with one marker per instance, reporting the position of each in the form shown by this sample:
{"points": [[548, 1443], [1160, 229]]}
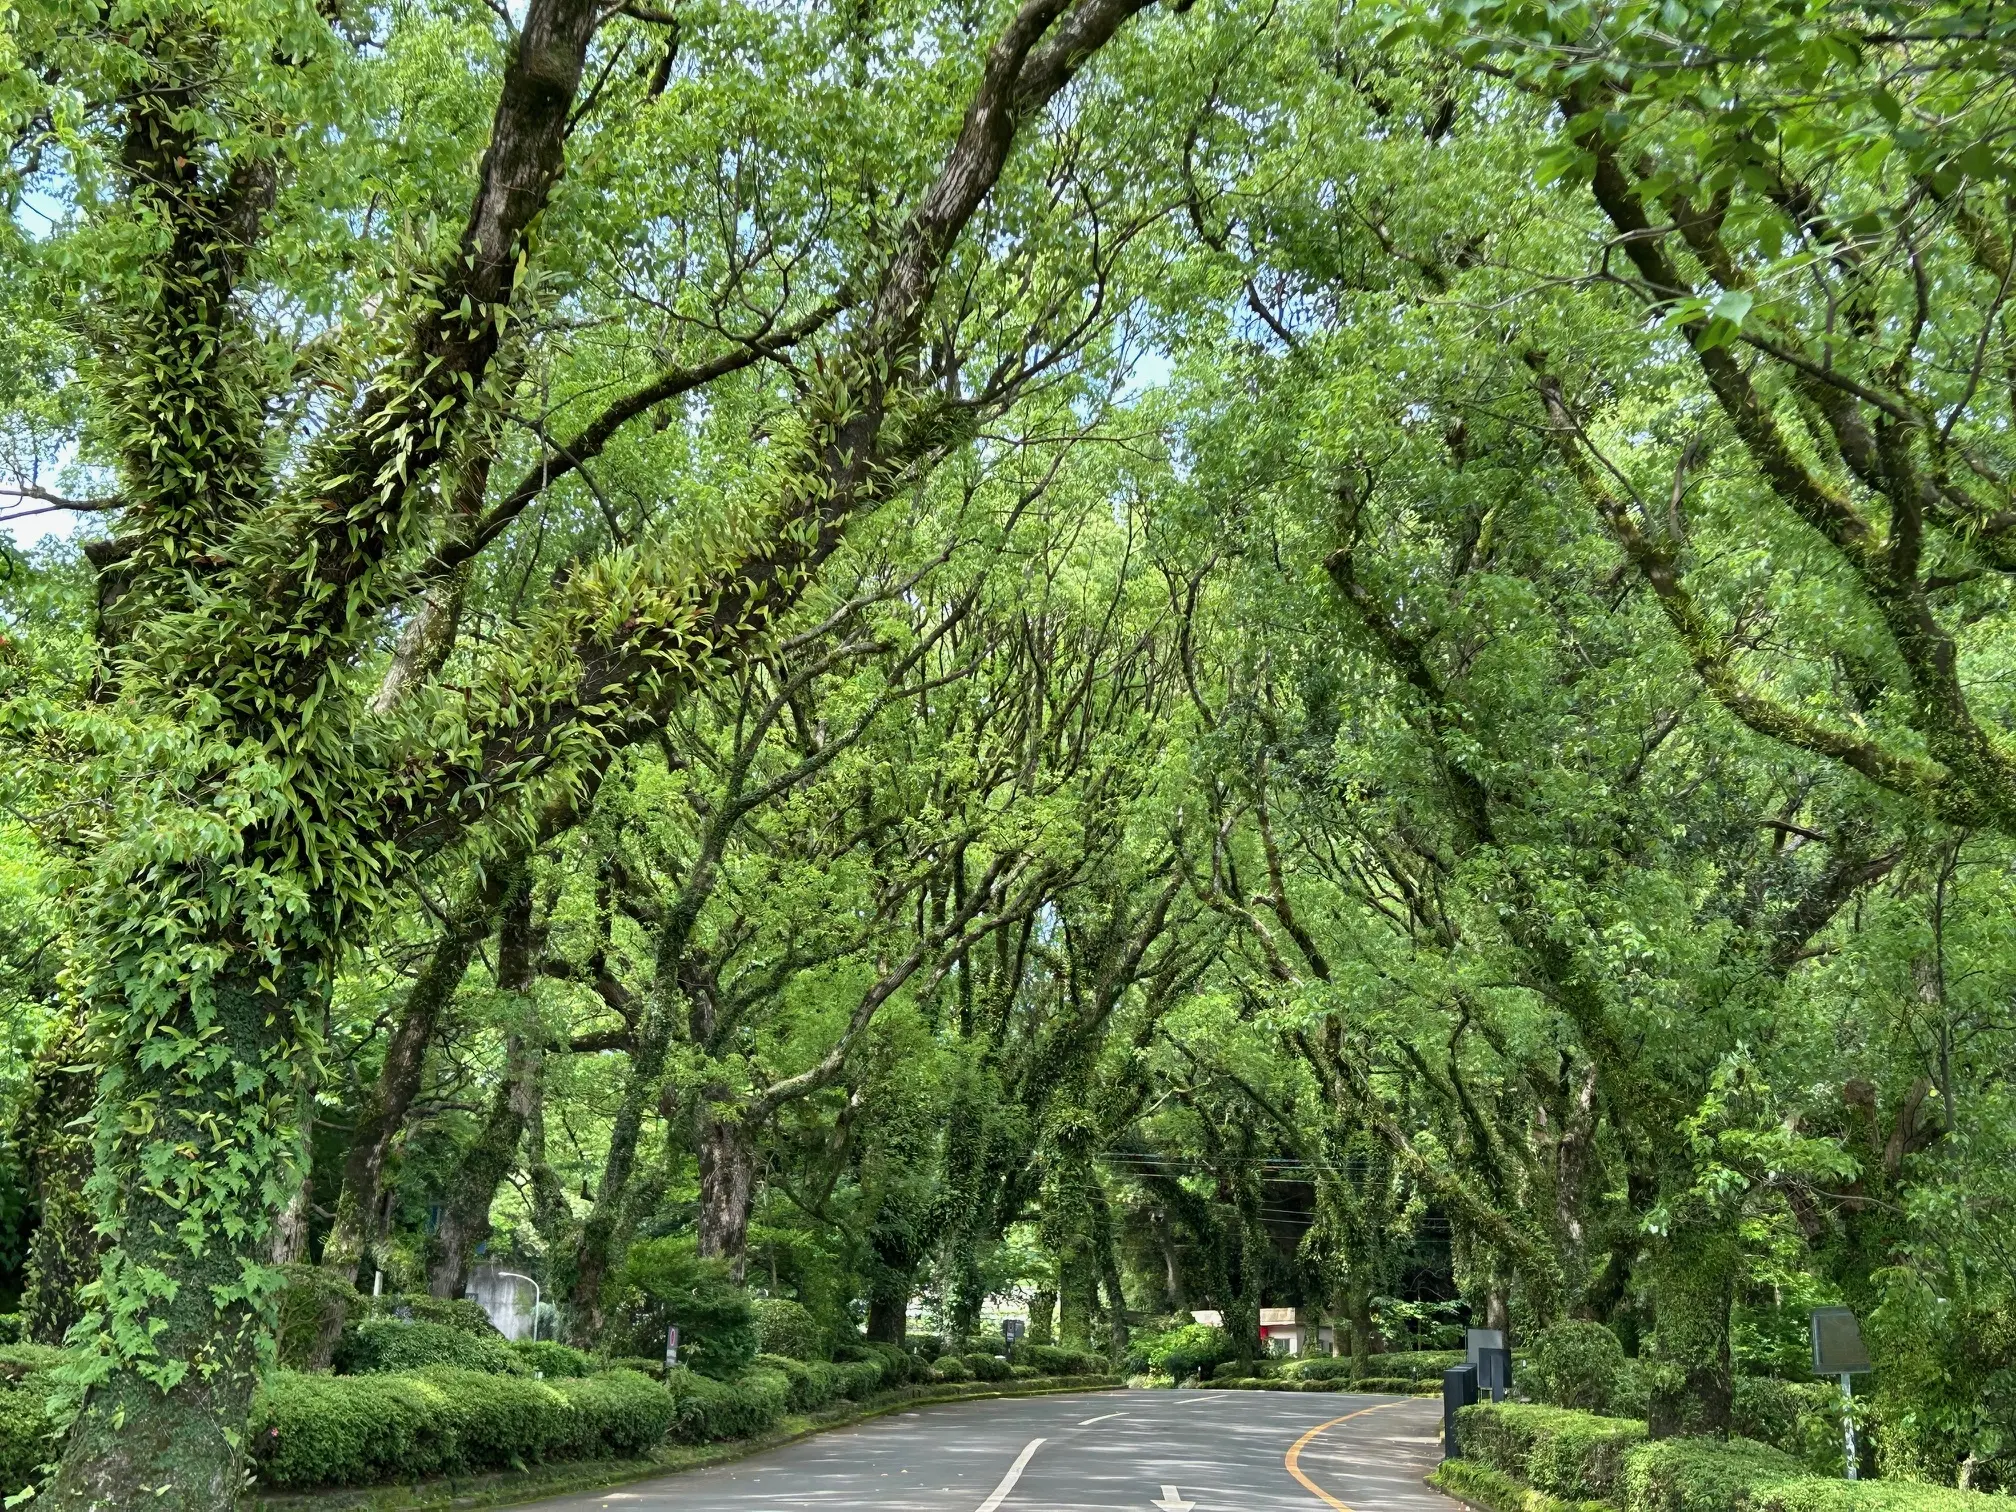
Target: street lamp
{"points": [[514, 1276]]}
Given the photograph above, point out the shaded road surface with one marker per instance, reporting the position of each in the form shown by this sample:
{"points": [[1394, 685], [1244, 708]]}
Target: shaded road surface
{"points": [[1107, 1451]]}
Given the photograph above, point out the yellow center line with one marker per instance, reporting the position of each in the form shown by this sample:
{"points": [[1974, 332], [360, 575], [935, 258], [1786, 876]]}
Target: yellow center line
{"points": [[1293, 1459]]}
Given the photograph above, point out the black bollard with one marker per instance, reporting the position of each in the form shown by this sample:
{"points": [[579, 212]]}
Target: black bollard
{"points": [[1459, 1389]]}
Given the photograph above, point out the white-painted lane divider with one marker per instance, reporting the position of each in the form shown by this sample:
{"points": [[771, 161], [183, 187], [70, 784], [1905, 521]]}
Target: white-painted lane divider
{"points": [[1172, 1501], [1088, 1422], [1014, 1474]]}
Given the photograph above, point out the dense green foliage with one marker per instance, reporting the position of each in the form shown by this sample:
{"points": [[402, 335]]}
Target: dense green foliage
{"points": [[813, 673], [338, 1430]]}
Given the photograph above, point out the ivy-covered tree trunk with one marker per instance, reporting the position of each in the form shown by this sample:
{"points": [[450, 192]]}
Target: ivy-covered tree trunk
{"points": [[1042, 1315], [200, 1158], [1693, 1288]]}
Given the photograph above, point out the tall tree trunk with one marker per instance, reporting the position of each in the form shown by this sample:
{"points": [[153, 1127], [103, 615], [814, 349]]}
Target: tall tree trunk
{"points": [[1042, 1312], [595, 1254], [180, 1449], [466, 1223], [387, 1100], [727, 1179], [889, 1315], [1693, 1289]]}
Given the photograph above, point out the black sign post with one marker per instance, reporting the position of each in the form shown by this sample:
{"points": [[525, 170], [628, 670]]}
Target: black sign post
{"points": [[1838, 1350], [1459, 1389]]}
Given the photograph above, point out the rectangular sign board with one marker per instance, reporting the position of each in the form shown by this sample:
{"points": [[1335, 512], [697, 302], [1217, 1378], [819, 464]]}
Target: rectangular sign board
{"points": [[1837, 1343], [1477, 1340]]}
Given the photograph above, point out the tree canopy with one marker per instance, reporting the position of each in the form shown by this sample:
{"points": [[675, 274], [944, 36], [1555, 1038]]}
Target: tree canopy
{"points": [[912, 657]]}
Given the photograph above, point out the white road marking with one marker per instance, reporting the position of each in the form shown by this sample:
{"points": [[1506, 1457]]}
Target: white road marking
{"points": [[1014, 1474], [1172, 1501], [1088, 1422]]}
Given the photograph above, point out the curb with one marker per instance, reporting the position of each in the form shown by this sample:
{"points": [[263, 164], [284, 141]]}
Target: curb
{"points": [[504, 1488]]}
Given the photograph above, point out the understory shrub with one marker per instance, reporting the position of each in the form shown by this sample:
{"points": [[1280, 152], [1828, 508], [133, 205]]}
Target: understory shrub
{"points": [[706, 1410], [987, 1367], [379, 1346], [553, 1361], [1803, 1418], [312, 1308], [892, 1362], [27, 1431], [953, 1368], [1389, 1385], [784, 1327], [1180, 1352], [459, 1313], [314, 1430], [1574, 1365], [664, 1284]]}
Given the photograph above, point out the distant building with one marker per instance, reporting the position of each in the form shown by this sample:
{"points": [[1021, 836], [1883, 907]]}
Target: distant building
{"points": [[1283, 1330]]}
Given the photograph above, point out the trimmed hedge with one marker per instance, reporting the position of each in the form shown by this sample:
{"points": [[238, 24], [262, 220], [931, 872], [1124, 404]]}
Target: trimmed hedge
{"points": [[953, 1368], [309, 1430], [382, 1346], [1574, 1456], [556, 1362], [1049, 1359], [706, 1411], [1704, 1475], [1498, 1491], [1565, 1453], [987, 1367], [1815, 1494], [811, 1384], [892, 1361]]}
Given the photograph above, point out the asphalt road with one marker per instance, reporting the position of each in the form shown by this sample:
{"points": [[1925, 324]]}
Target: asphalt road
{"points": [[1222, 1451]]}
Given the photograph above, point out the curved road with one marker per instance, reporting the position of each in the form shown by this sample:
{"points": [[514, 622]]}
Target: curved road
{"points": [[1221, 1451]]}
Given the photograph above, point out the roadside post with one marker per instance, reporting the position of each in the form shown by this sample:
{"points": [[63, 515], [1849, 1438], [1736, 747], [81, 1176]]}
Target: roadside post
{"points": [[671, 1347], [1488, 1356], [1459, 1389], [1838, 1350], [1012, 1330]]}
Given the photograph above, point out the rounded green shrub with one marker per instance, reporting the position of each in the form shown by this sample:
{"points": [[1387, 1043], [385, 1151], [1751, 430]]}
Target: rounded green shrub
{"points": [[952, 1368], [706, 1410], [1574, 1365], [553, 1361], [663, 1284], [784, 1327], [987, 1367]]}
